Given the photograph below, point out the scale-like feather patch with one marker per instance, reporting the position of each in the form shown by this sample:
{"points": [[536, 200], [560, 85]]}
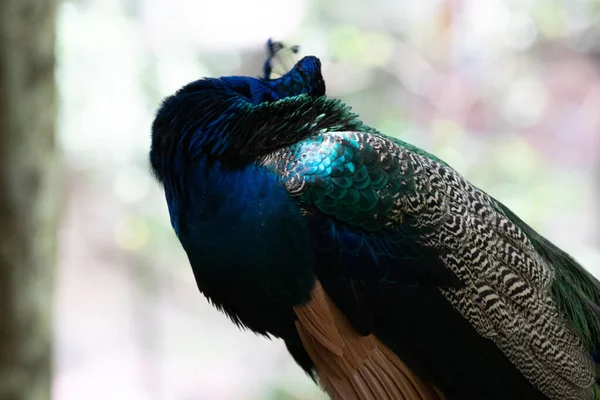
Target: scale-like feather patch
{"points": [[374, 183]]}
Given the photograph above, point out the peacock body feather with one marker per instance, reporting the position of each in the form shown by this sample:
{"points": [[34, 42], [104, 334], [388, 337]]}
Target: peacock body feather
{"points": [[272, 186]]}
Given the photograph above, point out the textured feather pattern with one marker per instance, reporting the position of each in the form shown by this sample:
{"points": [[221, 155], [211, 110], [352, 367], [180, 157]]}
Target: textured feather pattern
{"points": [[350, 366], [374, 182]]}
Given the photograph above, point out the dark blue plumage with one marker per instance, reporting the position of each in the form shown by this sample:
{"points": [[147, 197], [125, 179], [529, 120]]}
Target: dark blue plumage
{"points": [[271, 186]]}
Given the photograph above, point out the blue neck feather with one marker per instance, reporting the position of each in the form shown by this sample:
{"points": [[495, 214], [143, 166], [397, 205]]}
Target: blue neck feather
{"points": [[243, 235], [241, 230]]}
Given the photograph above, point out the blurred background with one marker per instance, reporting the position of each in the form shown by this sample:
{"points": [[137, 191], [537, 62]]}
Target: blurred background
{"points": [[507, 92]]}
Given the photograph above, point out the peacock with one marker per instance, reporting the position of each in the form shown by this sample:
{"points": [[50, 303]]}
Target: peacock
{"points": [[384, 271]]}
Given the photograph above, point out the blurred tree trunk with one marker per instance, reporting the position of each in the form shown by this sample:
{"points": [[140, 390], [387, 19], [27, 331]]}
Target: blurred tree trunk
{"points": [[29, 189]]}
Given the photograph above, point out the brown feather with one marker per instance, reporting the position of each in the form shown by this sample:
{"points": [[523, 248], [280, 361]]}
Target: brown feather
{"points": [[351, 366]]}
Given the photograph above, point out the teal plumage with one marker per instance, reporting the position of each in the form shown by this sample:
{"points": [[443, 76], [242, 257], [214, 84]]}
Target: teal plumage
{"points": [[461, 289], [512, 293]]}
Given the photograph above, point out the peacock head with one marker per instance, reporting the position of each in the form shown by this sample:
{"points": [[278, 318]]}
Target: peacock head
{"points": [[304, 78], [222, 117]]}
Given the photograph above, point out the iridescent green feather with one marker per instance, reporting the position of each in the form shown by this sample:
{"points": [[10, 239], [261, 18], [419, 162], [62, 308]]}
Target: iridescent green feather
{"points": [[355, 183], [361, 178]]}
